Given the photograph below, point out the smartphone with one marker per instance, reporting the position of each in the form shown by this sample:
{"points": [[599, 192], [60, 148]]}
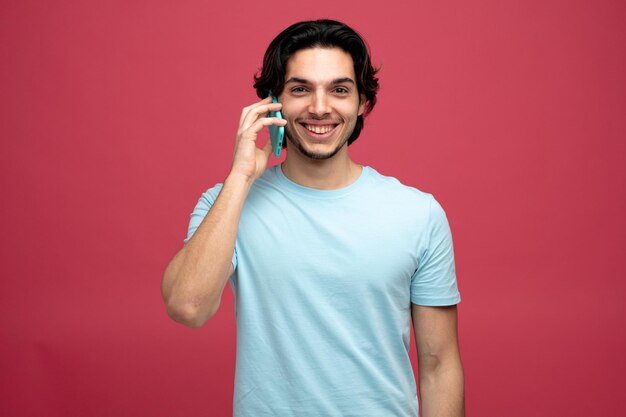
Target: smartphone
{"points": [[277, 133]]}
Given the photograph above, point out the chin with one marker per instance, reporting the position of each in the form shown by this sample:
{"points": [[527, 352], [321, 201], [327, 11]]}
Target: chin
{"points": [[318, 155]]}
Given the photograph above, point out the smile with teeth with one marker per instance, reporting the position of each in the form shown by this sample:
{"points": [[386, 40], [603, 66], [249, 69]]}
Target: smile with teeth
{"points": [[320, 130]]}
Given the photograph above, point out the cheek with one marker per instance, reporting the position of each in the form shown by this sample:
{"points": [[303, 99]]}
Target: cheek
{"points": [[294, 109], [350, 113], [351, 107], [288, 113]]}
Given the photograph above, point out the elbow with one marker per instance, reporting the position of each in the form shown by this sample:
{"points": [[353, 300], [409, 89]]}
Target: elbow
{"points": [[183, 305], [189, 314], [432, 365], [428, 362]]}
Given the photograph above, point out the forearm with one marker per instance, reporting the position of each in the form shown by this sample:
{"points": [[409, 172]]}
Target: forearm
{"points": [[194, 280], [442, 387]]}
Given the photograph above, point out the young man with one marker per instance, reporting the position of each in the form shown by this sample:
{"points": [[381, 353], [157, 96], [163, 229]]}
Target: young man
{"points": [[328, 260]]}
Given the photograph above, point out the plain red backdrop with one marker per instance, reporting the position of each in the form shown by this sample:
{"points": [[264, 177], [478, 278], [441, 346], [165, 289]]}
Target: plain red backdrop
{"points": [[115, 117]]}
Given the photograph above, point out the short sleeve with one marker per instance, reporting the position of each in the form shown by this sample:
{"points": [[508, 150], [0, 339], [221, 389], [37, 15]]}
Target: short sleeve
{"points": [[200, 211], [434, 281]]}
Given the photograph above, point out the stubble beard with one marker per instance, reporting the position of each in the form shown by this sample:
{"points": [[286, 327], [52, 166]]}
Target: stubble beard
{"points": [[293, 140]]}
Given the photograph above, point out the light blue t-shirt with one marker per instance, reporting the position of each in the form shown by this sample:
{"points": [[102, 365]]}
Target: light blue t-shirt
{"points": [[323, 286]]}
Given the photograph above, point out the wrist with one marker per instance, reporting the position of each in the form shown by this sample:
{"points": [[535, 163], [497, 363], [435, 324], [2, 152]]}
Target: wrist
{"points": [[238, 180]]}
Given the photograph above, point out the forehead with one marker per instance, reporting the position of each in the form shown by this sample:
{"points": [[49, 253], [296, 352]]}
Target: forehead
{"points": [[320, 64]]}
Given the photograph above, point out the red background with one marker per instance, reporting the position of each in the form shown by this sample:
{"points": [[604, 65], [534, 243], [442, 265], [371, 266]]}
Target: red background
{"points": [[116, 115]]}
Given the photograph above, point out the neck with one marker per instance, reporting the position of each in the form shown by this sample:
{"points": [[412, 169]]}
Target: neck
{"points": [[327, 174]]}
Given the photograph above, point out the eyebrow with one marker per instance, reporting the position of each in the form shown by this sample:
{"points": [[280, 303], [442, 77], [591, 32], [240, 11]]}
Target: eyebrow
{"points": [[336, 81]]}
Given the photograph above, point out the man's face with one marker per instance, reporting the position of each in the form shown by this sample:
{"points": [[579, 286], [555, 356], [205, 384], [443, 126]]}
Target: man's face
{"points": [[320, 101]]}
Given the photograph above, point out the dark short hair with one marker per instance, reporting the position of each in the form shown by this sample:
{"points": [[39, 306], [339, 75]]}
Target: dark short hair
{"points": [[324, 34]]}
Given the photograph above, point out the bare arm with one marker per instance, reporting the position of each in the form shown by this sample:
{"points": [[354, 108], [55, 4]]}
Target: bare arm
{"points": [[195, 278], [440, 369]]}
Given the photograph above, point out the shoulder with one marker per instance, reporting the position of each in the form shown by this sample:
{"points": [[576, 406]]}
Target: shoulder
{"points": [[209, 196], [391, 184], [393, 190]]}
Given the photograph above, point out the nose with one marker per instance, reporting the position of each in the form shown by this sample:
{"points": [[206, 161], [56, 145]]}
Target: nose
{"points": [[319, 105]]}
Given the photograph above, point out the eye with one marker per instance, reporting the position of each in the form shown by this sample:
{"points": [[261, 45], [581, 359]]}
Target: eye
{"points": [[341, 90], [298, 90]]}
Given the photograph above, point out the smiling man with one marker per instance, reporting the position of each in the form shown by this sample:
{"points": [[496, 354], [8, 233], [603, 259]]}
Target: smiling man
{"points": [[330, 262], [310, 78]]}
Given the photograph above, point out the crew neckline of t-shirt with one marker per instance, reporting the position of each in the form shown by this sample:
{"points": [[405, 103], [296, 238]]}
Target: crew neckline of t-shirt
{"points": [[314, 192]]}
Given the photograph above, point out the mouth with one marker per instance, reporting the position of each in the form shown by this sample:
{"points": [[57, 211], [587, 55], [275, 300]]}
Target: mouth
{"points": [[319, 131]]}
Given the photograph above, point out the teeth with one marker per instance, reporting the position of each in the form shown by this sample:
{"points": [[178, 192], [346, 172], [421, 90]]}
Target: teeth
{"points": [[319, 129]]}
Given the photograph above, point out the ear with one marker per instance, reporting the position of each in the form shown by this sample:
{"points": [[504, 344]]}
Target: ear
{"points": [[362, 103]]}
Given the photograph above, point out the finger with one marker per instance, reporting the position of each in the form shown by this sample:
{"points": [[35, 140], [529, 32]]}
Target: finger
{"points": [[252, 133], [247, 109], [259, 111], [258, 125]]}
